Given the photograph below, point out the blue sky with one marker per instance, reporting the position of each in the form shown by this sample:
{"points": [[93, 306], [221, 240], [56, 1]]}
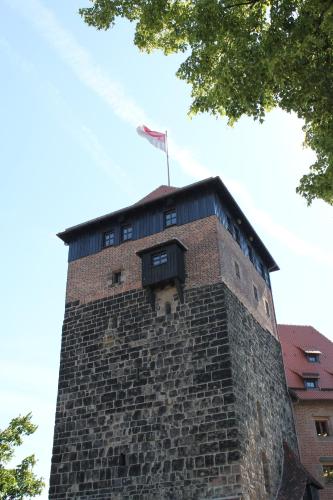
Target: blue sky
{"points": [[70, 102]]}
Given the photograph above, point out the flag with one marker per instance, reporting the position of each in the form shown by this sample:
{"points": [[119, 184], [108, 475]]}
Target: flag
{"points": [[157, 139]]}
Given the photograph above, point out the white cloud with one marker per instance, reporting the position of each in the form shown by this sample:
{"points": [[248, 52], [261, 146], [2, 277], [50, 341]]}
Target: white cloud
{"points": [[189, 164], [93, 76], [275, 230], [85, 136], [80, 61], [96, 150]]}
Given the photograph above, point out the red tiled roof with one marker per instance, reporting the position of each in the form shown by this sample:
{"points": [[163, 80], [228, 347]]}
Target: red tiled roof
{"points": [[295, 340], [315, 395], [157, 193]]}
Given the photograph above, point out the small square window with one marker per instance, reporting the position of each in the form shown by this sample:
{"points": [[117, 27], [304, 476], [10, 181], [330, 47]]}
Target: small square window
{"points": [[237, 270], [255, 293], [328, 472], [322, 427], [108, 239], [126, 233], [159, 258], [312, 358], [167, 308], [267, 309], [310, 383], [170, 218], [116, 278]]}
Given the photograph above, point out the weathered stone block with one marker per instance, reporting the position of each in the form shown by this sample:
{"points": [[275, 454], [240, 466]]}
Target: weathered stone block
{"points": [[167, 397]]}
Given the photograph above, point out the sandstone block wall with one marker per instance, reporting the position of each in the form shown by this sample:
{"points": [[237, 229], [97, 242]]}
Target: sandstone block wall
{"points": [[145, 407], [262, 402], [164, 406]]}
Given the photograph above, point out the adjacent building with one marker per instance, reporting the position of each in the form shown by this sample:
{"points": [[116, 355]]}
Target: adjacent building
{"points": [[308, 361], [171, 381]]}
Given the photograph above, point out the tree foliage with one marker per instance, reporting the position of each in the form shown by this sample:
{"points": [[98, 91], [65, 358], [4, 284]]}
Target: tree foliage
{"points": [[19, 482], [245, 57]]}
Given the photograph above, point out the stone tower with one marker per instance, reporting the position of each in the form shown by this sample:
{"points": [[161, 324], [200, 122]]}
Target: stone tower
{"points": [[171, 383]]}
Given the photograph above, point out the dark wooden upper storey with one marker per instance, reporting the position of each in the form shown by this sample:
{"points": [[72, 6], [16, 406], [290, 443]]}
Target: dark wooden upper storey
{"points": [[156, 211], [163, 263]]}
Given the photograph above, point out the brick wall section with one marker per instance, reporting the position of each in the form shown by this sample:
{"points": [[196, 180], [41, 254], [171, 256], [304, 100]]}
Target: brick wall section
{"points": [[229, 253], [258, 377], [210, 259], [311, 446], [89, 278], [162, 391]]}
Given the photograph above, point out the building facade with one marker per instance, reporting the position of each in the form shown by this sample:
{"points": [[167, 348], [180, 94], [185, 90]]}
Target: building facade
{"points": [[308, 360], [171, 383]]}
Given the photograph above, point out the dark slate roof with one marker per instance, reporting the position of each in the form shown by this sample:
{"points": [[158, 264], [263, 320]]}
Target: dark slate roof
{"points": [[295, 477], [214, 184], [295, 340]]}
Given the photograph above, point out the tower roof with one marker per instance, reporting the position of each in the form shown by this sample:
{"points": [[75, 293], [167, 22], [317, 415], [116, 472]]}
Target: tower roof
{"points": [[156, 194]]}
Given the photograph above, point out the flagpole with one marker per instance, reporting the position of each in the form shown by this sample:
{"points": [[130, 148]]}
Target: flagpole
{"points": [[167, 155]]}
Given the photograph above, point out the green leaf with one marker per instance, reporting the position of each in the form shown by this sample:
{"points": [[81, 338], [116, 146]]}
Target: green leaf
{"points": [[19, 482], [245, 58]]}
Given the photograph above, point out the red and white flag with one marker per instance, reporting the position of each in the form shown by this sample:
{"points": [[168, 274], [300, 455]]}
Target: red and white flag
{"points": [[157, 139]]}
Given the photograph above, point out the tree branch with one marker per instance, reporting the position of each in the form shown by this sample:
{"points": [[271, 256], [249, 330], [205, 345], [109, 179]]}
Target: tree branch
{"points": [[250, 2]]}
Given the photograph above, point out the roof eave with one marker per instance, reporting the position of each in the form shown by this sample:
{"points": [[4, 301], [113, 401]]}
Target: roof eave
{"points": [[68, 233]]}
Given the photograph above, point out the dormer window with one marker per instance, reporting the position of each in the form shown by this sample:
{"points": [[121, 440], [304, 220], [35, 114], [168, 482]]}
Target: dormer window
{"points": [[108, 239], [312, 358], [126, 233], [170, 218], [312, 355], [159, 258], [311, 383]]}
